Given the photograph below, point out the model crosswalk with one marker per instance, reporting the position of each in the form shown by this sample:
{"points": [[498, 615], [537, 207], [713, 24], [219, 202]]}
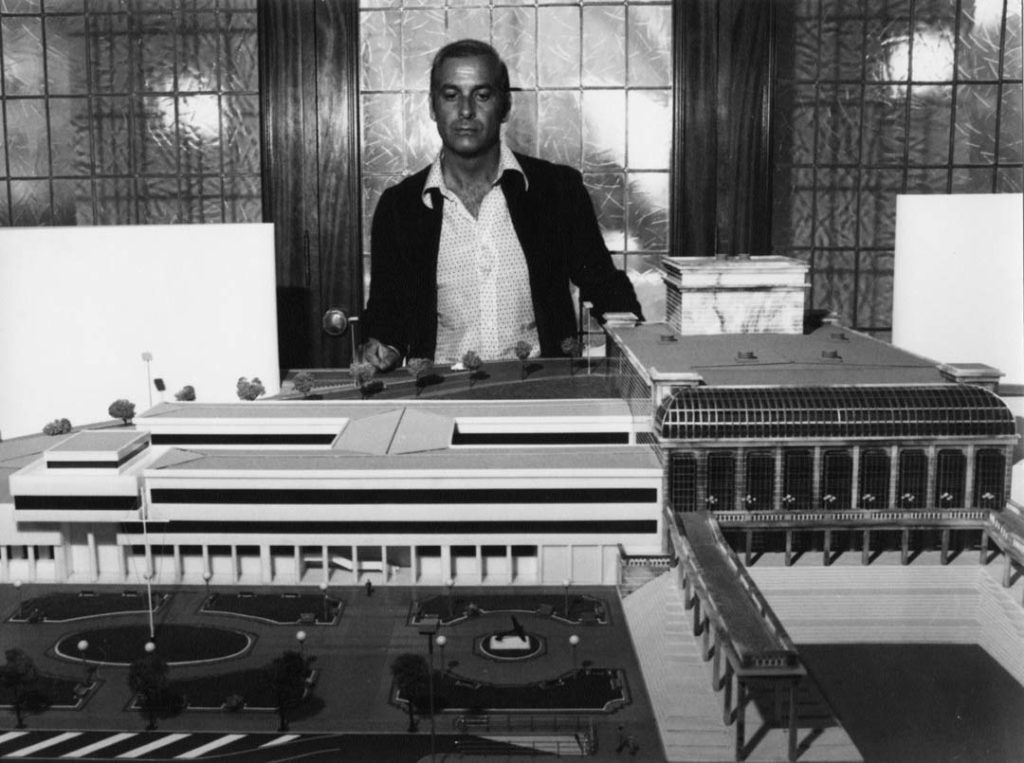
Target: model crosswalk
{"points": [[111, 745]]}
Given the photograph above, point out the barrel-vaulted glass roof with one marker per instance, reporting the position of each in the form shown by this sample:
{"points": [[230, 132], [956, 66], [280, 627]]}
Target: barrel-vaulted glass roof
{"points": [[934, 410]]}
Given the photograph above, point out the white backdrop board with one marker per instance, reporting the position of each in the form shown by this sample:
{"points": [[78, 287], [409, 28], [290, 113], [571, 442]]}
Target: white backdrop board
{"points": [[958, 295], [79, 307]]}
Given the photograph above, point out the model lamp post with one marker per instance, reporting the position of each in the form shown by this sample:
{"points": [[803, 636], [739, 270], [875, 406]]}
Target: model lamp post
{"points": [[150, 647], [17, 587], [323, 590], [450, 582], [428, 627], [83, 647], [207, 576], [441, 641], [574, 641], [301, 638], [565, 584]]}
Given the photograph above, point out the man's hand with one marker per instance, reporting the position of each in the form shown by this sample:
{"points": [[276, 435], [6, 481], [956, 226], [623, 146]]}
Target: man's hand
{"points": [[383, 357]]}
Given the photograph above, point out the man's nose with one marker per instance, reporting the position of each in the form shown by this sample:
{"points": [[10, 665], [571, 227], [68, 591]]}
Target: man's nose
{"points": [[466, 106]]}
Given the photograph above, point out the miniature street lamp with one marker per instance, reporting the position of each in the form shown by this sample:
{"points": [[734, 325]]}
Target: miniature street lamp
{"points": [[441, 641], [574, 641], [150, 647], [323, 590], [83, 647], [17, 587], [428, 627], [301, 638], [450, 582], [565, 584], [207, 576]]}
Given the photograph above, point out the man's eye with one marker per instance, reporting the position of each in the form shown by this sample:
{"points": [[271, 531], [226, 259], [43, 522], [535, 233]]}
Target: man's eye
{"points": [[483, 96]]}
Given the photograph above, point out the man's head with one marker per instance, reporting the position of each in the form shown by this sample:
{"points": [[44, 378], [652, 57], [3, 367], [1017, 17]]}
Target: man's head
{"points": [[469, 96]]}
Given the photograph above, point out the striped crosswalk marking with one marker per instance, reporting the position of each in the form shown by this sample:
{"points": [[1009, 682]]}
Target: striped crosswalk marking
{"points": [[200, 751], [11, 735], [156, 744], [279, 740], [33, 748], [91, 748]]}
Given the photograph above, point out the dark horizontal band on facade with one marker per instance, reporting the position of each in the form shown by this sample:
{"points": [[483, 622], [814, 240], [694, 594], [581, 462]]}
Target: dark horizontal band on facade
{"points": [[261, 438], [76, 502], [406, 496], [402, 527], [540, 438], [104, 464]]}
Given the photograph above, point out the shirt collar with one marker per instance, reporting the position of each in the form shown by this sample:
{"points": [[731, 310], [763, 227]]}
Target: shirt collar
{"points": [[507, 162]]}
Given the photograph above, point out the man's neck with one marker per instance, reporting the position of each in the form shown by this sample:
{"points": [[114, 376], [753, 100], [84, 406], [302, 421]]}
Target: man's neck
{"points": [[470, 178]]}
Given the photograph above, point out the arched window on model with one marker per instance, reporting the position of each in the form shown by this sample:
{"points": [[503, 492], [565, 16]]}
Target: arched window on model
{"points": [[874, 479], [760, 481], [913, 479], [950, 478], [721, 481], [836, 479], [989, 479]]}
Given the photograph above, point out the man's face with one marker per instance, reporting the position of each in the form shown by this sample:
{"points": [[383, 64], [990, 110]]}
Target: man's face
{"points": [[468, 106]]}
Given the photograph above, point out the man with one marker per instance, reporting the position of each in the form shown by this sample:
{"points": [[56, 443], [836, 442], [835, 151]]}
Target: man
{"points": [[477, 251]]}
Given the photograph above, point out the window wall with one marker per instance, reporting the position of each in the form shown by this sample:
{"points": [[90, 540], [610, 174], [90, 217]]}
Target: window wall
{"points": [[875, 98], [592, 84], [128, 112]]}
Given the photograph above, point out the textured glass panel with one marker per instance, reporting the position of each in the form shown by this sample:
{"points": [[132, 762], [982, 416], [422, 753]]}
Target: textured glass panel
{"points": [[5, 210], [1010, 180], [474, 23], [239, 66], [515, 39], [800, 211], [30, 202], [69, 120], [110, 67], [240, 124], [23, 56], [201, 200], [928, 141], [832, 284], [604, 129], [521, 128], [973, 180], [604, 46], [20, 6], [874, 289], [647, 211], [3, 154], [1011, 124], [974, 141], [72, 202], [980, 29], [198, 52], [423, 32], [558, 127], [558, 47], [383, 137], [65, 54], [158, 201], [155, 144], [111, 136], [782, 233], [650, 51], [421, 139], [608, 192], [115, 201], [381, 51], [805, 51], [70, 6], [878, 190], [842, 48], [243, 199], [795, 133], [156, 53], [27, 143], [199, 133], [838, 124], [650, 129], [1012, 46], [836, 208], [927, 180], [379, 4], [884, 124]]}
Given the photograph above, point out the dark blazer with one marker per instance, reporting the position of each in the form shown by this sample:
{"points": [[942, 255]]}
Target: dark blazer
{"points": [[554, 219]]}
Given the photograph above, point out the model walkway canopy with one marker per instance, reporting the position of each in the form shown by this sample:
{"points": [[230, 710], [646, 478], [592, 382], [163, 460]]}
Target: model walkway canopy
{"points": [[849, 412]]}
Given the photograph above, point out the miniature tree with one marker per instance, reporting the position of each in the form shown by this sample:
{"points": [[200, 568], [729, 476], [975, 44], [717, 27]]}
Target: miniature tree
{"points": [[249, 390], [570, 346], [418, 368], [286, 676], [19, 675], [122, 409], [186, 393], [522, 351], [473, 363], [411, 676], [303, 383], [362, 376], [57, 427], [147, 678]]}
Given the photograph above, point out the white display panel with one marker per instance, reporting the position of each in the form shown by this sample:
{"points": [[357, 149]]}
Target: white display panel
{"points": [[79, 307], [958, 295]]}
